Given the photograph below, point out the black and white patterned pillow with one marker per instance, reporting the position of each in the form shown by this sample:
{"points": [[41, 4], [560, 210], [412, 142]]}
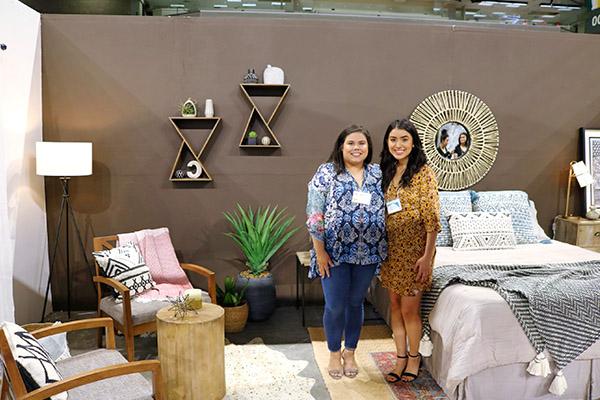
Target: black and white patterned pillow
{"points": [[482, 231], [126, 265], [35, 364]]}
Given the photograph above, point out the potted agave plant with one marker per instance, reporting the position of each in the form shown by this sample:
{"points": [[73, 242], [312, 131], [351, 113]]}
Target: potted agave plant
{"points": [[232, 299], [260, 235]]}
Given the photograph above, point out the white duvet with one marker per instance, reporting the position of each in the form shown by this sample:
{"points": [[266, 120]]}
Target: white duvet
{"points": [[477, 328]]}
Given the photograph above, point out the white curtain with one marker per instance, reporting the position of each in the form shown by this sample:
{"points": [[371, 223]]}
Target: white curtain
{"points": [[23, 235]]}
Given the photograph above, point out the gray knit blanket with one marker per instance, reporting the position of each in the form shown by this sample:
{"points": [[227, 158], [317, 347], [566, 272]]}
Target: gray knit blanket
{"points": [[557, 305]]}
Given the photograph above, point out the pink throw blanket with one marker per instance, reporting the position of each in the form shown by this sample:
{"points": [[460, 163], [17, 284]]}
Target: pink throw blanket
{"points": [[159, 254]]}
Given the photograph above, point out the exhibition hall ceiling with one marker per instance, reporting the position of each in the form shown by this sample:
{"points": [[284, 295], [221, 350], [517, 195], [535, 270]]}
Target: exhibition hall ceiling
{"points": [[567, 15]]}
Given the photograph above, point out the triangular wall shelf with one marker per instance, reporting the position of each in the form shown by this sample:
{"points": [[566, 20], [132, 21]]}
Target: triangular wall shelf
{"points": [[186, 152], [257, 118]]}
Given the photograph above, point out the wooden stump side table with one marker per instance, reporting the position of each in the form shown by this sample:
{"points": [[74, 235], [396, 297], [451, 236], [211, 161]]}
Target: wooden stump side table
{"points": [[192, 353]]}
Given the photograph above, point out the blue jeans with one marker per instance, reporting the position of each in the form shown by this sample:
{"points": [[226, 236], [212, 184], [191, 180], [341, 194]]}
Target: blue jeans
{"points": [[344, 293]]}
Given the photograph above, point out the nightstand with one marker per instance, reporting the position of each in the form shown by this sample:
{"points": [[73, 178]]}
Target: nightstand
{"points": [[578, 231]]}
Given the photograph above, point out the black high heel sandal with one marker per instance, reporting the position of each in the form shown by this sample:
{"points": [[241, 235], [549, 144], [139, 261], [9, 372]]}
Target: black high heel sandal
{"points": [[410, 375], [396, 378]]}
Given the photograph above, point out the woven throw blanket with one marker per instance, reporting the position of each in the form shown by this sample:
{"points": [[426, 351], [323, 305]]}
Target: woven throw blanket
{"points": [[557, 305], [159, 254]]}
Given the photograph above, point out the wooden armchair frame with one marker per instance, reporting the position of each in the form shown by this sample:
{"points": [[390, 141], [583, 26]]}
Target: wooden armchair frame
{"points": [[128, 328], [84, 378]]}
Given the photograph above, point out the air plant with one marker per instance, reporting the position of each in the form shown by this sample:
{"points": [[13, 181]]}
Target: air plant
{"points": [[181, 305]]}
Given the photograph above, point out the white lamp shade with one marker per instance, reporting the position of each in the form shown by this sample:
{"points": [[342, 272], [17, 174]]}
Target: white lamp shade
{"points": [[63, 158], [584, 178]]}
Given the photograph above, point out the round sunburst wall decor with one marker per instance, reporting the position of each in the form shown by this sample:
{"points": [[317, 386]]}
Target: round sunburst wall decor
{"points": [[460, 137]]}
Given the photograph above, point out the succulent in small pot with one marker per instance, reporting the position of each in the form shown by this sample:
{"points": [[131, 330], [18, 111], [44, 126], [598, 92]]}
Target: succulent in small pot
{"points": [[252, 137], [188, 108], [232, 298]]}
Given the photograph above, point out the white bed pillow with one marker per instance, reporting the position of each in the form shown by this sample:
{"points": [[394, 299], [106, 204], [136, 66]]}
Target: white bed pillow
{"points": [[451, 202], [482, 231], [515, 202]]}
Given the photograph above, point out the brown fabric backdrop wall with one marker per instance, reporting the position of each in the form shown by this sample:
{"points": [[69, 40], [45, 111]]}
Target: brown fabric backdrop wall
{"points": [[115, 80]]}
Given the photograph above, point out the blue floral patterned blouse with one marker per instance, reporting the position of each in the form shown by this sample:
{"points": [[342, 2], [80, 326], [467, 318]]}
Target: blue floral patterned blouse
{"points": [[353, 233]]}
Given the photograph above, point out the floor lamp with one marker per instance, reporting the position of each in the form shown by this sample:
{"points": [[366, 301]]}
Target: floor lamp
{"points": [[64, 160]]}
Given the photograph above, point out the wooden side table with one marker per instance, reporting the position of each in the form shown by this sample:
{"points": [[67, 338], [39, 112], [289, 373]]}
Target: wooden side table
{"points": [[192, 353], [578, 231], [302, 265]]}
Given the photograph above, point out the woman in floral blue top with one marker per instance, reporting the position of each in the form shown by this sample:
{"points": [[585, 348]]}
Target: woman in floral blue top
{"points": [[346, 222]]}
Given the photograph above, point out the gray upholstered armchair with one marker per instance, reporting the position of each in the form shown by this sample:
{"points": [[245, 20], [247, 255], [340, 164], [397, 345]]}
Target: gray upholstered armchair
{"points": [[99, 374], [134, 318]]}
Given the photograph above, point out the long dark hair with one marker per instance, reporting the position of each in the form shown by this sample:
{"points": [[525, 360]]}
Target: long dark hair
{"points": [[337, 157], [416, 159], [468, 141]]}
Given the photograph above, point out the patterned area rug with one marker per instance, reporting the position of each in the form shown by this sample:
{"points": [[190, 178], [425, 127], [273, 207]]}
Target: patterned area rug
{"points": [[423, 388], [254, 371], [375, 358]]}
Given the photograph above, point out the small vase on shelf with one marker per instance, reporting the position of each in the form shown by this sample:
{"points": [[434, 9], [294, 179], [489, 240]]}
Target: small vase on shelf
{"points": [[209, 109], [273, 75]]}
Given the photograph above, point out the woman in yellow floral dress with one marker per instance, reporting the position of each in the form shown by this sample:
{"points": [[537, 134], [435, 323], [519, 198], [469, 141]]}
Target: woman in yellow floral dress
{"points": [[412, 224]]}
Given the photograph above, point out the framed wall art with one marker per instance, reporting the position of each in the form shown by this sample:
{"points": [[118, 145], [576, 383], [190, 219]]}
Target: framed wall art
{"points": [[590, 149], [460, 137]]}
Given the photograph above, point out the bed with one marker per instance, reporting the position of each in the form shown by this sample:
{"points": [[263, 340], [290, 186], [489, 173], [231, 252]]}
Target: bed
{"points": [[480, 350]]}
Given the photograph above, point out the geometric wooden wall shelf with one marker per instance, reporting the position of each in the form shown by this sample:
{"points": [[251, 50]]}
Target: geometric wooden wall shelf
{"points": [[188, 165], [257, 120]]}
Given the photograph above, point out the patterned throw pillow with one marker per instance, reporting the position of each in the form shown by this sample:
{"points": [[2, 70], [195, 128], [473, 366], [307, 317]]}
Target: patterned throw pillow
{"points": [[451, 202], [514, 202], [482, 231], [35, 364], [126, 265]]}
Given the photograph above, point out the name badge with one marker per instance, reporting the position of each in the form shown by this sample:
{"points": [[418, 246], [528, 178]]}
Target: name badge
{"points": [[361, 197], [393, 206]]}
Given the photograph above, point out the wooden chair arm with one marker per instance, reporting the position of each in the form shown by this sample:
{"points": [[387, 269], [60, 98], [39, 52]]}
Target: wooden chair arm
{"points": [[210, 276], [100, 374], [91, 323], [112, 283], [126, 294]]}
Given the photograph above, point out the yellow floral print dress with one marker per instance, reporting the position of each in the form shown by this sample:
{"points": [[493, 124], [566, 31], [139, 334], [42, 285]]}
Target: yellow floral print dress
{"points": [[407, 231]]}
